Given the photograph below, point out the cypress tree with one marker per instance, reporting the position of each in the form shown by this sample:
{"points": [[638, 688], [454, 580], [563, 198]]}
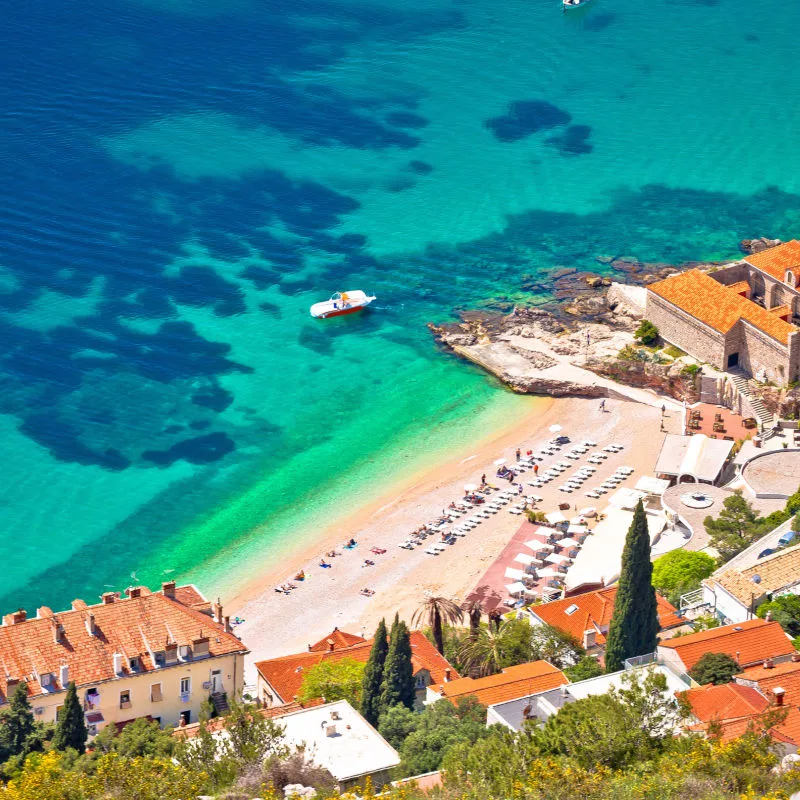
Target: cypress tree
{"points": [[634, 623], [16, 724], [398, 673], [71, 727], [373, 676]]}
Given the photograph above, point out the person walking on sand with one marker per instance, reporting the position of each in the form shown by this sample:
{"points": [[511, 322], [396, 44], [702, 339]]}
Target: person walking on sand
{"points": [[483, 479], [602, 405], [535, 469], [519, 454]]}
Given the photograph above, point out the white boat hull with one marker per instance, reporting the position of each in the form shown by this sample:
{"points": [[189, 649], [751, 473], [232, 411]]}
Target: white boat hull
{"points": [[341, 304]]}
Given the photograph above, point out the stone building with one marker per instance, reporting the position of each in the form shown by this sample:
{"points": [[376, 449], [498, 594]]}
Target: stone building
{"points": [[158, 655], [743, 315]]}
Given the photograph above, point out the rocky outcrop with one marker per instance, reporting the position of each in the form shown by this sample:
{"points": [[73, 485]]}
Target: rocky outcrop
{"points": [[665, 379], [751, 246]]}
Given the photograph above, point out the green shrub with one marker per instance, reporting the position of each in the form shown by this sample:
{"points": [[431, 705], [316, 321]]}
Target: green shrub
{"points": [[646, 333]]}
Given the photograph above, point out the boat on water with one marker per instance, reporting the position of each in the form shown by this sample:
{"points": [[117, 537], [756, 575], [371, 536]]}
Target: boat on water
{"points": [[569, 5], [341, 303]]}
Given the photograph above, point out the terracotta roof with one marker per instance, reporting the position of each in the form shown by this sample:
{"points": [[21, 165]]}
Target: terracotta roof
{"points": [[787, 731], [335, 640], [592, 611], [740, 288], [775, 572], [729, 701], [709, 301], [285, 675], [768, 680], [510, 684], [748, 642], [777, 260], [758, 672], [135, 627]]}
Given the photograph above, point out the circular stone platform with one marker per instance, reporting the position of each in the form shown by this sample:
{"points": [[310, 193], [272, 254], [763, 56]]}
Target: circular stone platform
{"points": [[776, 474]]}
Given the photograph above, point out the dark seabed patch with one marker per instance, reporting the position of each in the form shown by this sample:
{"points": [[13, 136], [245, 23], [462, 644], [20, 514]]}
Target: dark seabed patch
{"points": [[572, 142], [200, 450], [599, 22], [405, 119], [526, 117], [420, 167]]}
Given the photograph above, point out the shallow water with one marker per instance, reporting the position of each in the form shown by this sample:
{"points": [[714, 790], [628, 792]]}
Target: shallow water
{"points": [[181, 179]]}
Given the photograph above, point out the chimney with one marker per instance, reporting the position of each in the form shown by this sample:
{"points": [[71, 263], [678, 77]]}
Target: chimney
{"points": [[589, 639], [768, 663], [216, 611], [134, 591], [91, 625], [117, 663], [779, 693], [738, 655], [795, 657], [447, 673], [58, 632], [79, 605], [63, 675], [768, 616], [168, 589], [108, 598], [227, 623], [331, 644], [16, 618]]}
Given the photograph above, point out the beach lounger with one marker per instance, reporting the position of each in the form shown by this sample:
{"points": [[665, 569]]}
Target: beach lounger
{"points": [[431, 552], [440, 546], [609, 449], [589, 443], [592, 493], [565, 489], [601, 490]]}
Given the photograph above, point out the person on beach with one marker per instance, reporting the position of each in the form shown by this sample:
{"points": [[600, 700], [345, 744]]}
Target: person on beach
{"points": [[535, 469], [483, 479], [519, 489], [602, 405], [519, 454], [323, 563]]}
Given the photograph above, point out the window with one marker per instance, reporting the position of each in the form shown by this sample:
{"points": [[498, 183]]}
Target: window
{"points": [[125, 699], [186, 686], [155, 693]]}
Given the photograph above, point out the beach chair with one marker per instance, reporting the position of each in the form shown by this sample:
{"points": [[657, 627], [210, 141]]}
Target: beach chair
{"points": [[589, 443], [593, 494], [608, 449], [516, 511], [432, 552], [565, 489]]}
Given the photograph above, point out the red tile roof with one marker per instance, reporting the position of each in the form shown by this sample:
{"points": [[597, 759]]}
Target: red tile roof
{"points": [[729, 701], [592, 611], [716, 305], [758, 672], [787, 731], [285, 675], [510, 684], [336, 640], [777, 260], [135, 627], [770, 679], [748, 642]]}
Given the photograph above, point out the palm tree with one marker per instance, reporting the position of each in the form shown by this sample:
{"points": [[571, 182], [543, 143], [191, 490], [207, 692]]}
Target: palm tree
{"points": [[484, 655], [436, 612], [474, 610]]}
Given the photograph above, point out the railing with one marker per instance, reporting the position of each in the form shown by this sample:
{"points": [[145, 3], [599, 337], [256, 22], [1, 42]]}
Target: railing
{"points": [[691, 600], [641, 661]]}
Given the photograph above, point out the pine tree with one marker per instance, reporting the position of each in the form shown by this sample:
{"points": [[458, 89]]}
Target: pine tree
{"points": [[634, 623], [71, 728], [398, 673], [373, 676], [16, 724]]}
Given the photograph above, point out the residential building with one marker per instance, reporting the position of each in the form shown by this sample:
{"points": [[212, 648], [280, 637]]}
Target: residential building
{"points": [[748, 643], [280, 679], [510, 683], [146, 654], [719, 703], [586, 617], [722, 324], [735, 592], [538, 706]]}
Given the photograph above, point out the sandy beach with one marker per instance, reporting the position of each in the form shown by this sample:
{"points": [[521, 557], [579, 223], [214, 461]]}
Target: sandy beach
{"points": [[278, 624]]}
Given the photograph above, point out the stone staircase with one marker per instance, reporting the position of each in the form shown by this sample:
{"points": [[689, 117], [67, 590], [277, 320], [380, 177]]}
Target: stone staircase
{"points": [[766, 420], [220, 701]]}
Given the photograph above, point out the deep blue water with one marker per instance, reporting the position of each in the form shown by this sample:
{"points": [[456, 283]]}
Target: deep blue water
{"points": [[181, 179]]}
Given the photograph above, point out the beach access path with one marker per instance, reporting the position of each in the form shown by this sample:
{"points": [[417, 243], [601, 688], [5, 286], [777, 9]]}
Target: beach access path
{"points": [[278, 624]]}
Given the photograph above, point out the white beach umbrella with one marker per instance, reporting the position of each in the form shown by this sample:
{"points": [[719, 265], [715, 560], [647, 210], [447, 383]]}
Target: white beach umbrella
{"points": [[589, 511], [555, 428], [577, 521], [537, 546], [515, 588], [557, 558], [524, 558], [569, 543], [470, 487], [548, 572], [499, 461]]}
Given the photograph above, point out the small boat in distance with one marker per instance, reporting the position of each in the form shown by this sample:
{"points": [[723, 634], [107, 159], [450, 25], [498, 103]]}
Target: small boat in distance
{"points": [[570, 4], [341, 303]]}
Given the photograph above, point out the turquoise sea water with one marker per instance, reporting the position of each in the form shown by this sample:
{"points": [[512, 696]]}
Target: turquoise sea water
{"points": [[181, 179]]}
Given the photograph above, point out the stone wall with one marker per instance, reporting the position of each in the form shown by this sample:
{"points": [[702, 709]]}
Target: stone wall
{"points": [[758, 352], [732, 273], [684, 331]]}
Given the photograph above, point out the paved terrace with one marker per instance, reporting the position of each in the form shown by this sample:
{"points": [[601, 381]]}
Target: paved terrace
{"points": [[776, 473]]}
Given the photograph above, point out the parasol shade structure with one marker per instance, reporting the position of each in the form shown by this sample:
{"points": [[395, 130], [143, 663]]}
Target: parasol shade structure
{"points": [[555, 428], [470, 487]]}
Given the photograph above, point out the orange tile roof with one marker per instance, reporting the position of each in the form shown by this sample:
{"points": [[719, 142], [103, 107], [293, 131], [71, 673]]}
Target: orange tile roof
{"points": [[729, 701], [716, 305], [336, 640], [748, 642], [768, 680], [740, 287], [787, 731], [593, 612], [758, 672], [135, 627], [777, 260], [285, 674], [510, 684]]}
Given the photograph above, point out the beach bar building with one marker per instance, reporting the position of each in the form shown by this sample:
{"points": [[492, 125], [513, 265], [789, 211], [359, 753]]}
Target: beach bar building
{"points": [[158, 655], [694, 459]]}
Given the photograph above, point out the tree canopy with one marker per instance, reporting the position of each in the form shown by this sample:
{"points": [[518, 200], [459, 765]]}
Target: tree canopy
{"points": [[681, 571], [784, 609], [334, 680], [735, 529], [436, 612], [398, 672], [634, 623], [372, 683], [71, 726], [716, 668]]}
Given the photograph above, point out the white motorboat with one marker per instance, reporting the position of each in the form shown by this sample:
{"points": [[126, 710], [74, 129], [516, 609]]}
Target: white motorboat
{"points": [[341, 303]]}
